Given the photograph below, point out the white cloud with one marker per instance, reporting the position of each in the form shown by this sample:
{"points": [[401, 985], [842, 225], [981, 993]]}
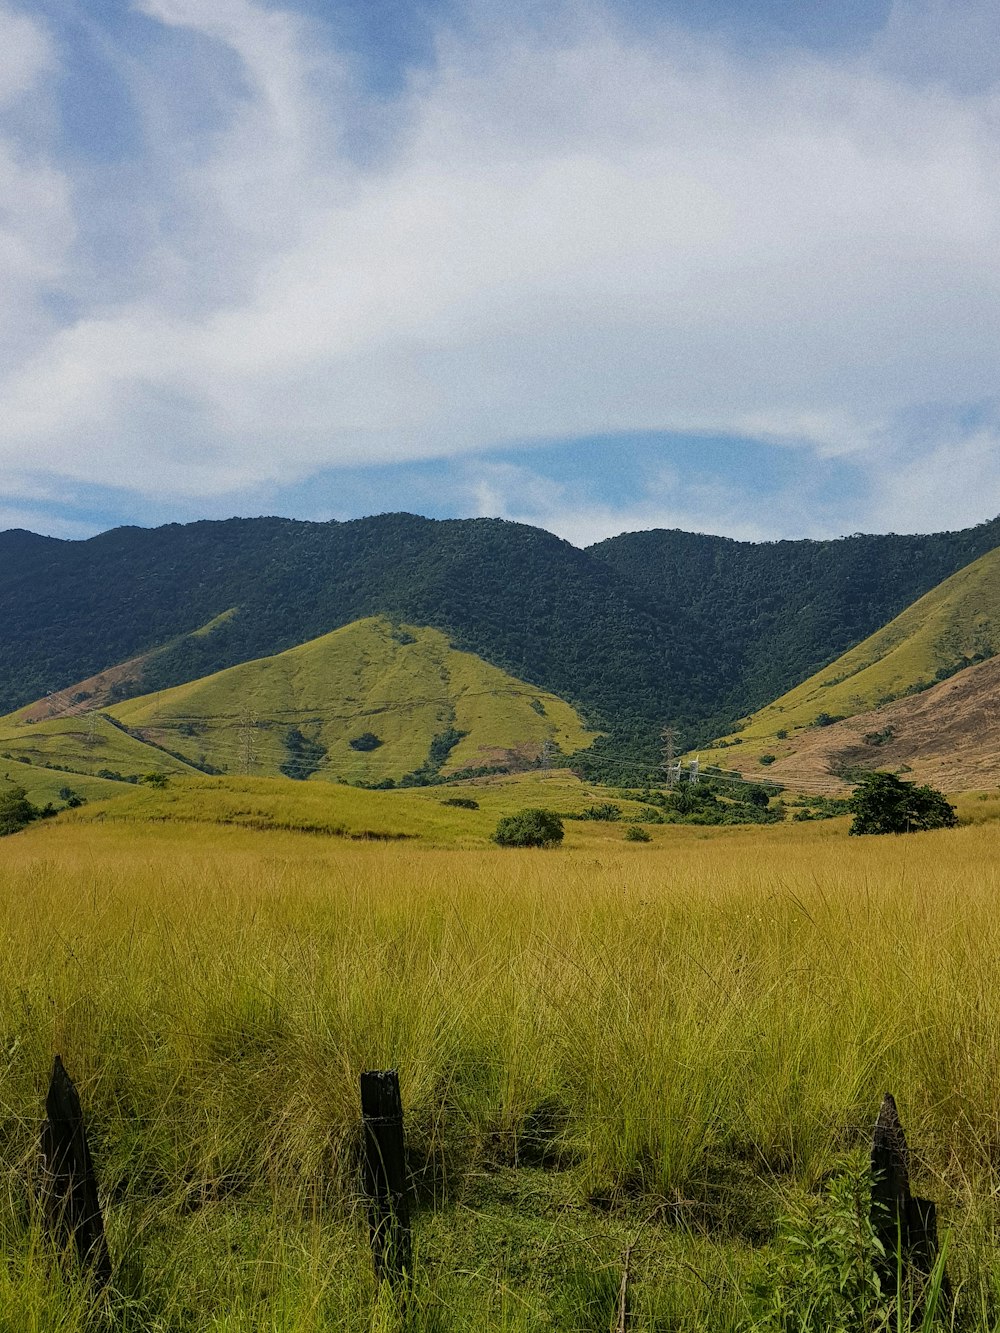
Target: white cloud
{"points": [[36, 223], [573, 233]]}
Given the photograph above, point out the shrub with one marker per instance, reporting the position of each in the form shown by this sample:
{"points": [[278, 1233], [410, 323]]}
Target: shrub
{"points": [[529, 828], [636, 833], [883, 803], [366, 741], [305, 755], [766, 759], [16, 811], [605, 810], [462, 802]]}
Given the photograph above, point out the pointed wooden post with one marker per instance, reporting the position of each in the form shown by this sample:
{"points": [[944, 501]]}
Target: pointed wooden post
{"points": [[69, 1192], [905, 1226], [384, 1174], [890, 1190]]}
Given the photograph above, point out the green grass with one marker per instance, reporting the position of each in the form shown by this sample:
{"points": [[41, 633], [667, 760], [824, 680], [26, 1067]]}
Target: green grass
{"points": [[83, 744], [954, 624], [351, 812], [673, 1045], [405, 685], [43, 785]]}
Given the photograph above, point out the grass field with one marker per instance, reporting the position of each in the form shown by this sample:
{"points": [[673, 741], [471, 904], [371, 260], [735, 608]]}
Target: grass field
{"points": [[669, 1047]]}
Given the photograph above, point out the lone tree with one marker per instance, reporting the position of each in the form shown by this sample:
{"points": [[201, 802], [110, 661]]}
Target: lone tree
{"points": [[529, 828], [16, 811], [883, 803]]}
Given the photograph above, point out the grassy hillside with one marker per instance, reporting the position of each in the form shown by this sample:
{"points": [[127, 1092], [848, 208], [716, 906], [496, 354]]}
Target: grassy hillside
{"points": [[44, 785], [636, 631], [426, 814], [402, 691], [946, 736], [955, 624], [82, 744]]}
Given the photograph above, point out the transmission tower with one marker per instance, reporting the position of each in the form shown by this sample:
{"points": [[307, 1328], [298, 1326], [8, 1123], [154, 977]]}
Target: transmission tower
{"points": [[694, 771], [248, 739], [671, 737], [547, 749], [90, 740]]}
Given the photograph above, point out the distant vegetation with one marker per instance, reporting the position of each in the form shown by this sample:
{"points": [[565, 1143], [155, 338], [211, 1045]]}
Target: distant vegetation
{"points": [[529, 828], [642, 628], [884, 803], [17, 812]]}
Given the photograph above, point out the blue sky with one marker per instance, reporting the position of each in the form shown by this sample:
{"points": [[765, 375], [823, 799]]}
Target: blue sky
{"points": [[732, 267]]}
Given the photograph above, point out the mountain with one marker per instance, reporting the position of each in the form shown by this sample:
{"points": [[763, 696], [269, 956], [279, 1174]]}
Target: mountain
{"points": [[804, 733], [946, 735], [371, 701], [635, 631]]}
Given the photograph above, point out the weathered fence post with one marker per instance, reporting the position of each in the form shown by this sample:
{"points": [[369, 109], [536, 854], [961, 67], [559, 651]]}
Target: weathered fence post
{"points": [[905, 1226], [70, 1204], [384, 1174]]}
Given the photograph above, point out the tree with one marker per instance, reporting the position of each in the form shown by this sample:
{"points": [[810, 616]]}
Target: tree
{"points": [[529, 828], [16, 811], [883, 803]]}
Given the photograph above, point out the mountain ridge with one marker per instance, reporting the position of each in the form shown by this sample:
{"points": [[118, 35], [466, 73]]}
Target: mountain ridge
{"points": [[633, 631]]}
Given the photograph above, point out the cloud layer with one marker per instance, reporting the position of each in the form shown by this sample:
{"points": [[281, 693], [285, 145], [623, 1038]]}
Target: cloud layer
{"points": [[555, 230]]}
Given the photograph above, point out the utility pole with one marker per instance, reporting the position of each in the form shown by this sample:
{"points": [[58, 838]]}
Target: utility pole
{"points": [[671, 737], [248, 739]]}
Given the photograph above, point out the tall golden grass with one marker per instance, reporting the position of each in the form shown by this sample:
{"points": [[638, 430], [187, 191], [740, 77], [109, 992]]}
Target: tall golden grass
{"points": [[651, 1022]]}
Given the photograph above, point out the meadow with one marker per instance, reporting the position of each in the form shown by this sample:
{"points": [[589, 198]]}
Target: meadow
{"points": [[674, 1051]]}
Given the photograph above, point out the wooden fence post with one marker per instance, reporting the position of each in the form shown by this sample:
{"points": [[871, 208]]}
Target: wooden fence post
{"points": [[70, 1204], [905, 1226], [384, 1174]]}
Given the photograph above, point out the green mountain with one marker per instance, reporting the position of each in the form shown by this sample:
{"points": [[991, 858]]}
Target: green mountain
{"points": [[953, 626], [645, 628], [369, 702]]}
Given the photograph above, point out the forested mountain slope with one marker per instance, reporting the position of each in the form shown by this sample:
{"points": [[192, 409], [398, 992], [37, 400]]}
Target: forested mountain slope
{"points": [[778, 611], [644, 628]]}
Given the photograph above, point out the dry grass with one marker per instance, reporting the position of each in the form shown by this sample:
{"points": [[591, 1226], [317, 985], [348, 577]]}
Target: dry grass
{"points": [[656, 1022]]}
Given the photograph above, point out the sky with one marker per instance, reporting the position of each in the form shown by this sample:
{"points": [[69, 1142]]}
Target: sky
{"points": [[596, 265]]}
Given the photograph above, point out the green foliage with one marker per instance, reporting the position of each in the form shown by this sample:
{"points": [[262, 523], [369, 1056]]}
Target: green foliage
{"points": [[532, 827], [16, 811], [304, 755], [824, 1276], [461, 802], [636, 833], [766, 759], [827, 719], [884, 803], [644, 626], [604, 810], [365, 742]]}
